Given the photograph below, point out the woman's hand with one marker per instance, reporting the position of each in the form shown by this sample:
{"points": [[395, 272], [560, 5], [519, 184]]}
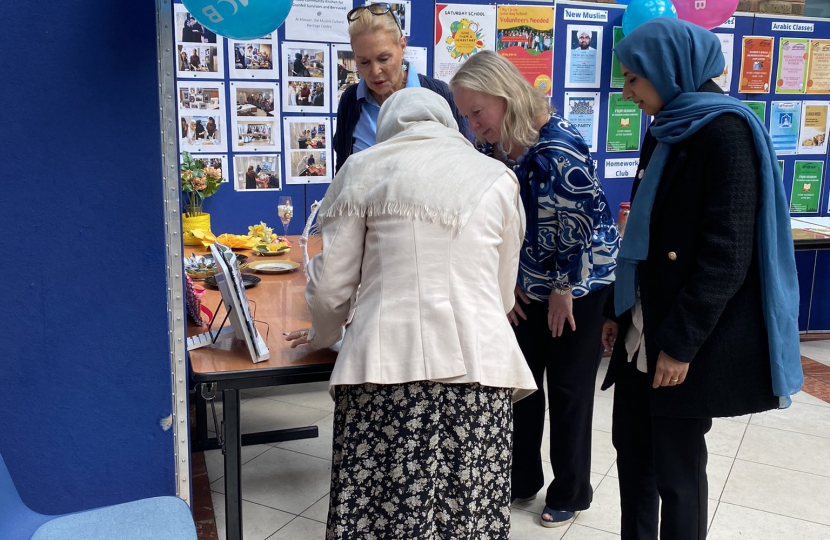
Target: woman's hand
{"points": [[297, 337], [517, 310], [560, 309], [609, 334], [670, 372]]}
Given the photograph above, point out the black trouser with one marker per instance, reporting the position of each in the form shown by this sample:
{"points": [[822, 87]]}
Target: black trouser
{"points": [[571, 362], [658, 458]]}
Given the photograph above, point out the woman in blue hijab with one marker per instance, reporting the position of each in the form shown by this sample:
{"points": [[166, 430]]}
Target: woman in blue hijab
{"points": [[706, 298]]}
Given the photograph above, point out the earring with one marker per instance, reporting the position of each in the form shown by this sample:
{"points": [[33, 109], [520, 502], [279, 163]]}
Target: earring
{"points": [[404, 67]]}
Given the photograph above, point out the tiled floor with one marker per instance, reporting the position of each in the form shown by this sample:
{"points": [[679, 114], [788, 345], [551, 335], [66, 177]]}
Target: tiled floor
{"points": [[769, 473]]}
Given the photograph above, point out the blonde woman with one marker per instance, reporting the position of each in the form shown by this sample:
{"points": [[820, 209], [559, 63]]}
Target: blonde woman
{"points": [[567, 262], [378, 44]]}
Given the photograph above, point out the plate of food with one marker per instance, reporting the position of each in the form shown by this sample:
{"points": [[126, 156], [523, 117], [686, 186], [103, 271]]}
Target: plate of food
{"points": [[269, 250], [203, 266], [275, 267]]}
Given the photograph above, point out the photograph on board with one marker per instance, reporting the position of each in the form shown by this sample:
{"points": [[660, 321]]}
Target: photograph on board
{"points": [[306, 136], [343, 72], [254, 99], [256, 134], [401, 11], [199, 61], [201, 132], [253, 59], [189, 30], [306, 152], [257, 172], [197, 96], [304, 79]]}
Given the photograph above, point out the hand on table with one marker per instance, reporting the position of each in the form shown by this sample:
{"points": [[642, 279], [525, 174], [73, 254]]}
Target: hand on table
{"points": [[609, 334], [670, 372], [560, 309], [297, 337], [517, 311]]}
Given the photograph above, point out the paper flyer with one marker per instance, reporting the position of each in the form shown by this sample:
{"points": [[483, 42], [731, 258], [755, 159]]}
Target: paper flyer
{"points": [[812, 138], [417, 58], [583, 60], [727, 45], [624, 121], [461, 30], [617, 79], [325, 20], [307, 149], [806, 192], [759, 108], [818, 80], [756, 65], [784, 121], [792, 65], [525, 38], [582, 111]]}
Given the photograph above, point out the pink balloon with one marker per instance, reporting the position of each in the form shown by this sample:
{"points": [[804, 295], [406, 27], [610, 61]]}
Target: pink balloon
{"points": [[706, 13]]}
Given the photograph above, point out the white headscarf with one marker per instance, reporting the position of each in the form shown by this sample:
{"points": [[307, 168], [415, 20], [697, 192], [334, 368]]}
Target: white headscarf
{"points": [[421, 167]]}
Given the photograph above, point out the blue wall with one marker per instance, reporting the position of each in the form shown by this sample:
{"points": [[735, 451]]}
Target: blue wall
{"points": [[84, 366]]}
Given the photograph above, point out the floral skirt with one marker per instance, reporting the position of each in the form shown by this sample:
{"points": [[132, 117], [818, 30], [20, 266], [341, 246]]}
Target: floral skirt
{"points": [[422, 460]]}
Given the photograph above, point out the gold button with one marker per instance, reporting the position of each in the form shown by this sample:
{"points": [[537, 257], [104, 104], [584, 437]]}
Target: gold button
{"points": [[672, 256]]}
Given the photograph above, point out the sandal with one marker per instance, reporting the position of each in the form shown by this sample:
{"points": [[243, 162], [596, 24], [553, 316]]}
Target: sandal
{"points": [[556, 518]]}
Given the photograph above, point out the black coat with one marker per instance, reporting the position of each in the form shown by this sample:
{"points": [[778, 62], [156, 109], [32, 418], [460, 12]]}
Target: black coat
{"points": [[700, 284]]}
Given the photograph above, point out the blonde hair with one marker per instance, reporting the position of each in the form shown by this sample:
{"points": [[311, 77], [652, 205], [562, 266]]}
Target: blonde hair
{"points": [[368, 23], [490, 73]]}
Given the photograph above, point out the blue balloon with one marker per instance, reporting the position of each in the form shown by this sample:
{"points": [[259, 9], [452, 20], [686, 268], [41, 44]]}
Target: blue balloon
{"points": [[640, 11], [240, 19]]}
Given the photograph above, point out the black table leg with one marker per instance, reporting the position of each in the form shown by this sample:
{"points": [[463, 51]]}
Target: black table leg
{"points": [[233, 464], [200, 443]]}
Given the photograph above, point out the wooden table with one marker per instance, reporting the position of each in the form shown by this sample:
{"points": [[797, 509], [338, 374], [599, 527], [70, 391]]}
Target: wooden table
{"points": [[226, 367]]}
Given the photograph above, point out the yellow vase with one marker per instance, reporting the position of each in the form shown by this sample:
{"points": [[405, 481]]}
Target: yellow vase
{"points": [[197, 222]]}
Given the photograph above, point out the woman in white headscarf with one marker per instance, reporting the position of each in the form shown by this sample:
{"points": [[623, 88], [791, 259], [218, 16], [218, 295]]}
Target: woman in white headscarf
{"points": [[430, 230]]}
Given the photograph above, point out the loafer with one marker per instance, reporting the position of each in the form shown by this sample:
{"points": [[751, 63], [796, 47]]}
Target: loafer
{"points": [[557, 517]]}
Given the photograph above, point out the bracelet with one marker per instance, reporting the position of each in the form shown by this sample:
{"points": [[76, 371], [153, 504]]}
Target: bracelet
{"points": [[562, 289]]}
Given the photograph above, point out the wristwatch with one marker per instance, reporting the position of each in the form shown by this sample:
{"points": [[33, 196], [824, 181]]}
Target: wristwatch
{"points": [[561, 288]]}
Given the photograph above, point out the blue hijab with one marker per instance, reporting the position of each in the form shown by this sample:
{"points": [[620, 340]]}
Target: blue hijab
{"points": [[677, 58]]}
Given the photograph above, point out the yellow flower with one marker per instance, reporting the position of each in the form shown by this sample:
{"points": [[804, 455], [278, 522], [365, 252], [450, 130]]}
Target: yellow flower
{"points": [[272, 247], [256, 230], [273, 237]]}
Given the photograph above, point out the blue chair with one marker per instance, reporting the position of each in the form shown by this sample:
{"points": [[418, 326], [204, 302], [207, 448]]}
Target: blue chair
{"points": [[157, 518]]}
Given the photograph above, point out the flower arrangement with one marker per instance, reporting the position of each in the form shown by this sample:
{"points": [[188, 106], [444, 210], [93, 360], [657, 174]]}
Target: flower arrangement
{"points": [[198, 182], [267, 240]]}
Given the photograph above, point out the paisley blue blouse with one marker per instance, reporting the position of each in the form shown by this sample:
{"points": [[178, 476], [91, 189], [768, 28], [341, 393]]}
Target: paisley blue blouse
{"points": [[571, 238]]}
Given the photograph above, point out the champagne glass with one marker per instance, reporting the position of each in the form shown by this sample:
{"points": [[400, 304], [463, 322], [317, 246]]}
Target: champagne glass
{"points": [[286, 212]]}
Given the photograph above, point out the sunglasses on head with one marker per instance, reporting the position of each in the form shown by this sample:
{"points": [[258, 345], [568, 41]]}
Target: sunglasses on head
{"points": [[381, 8]]}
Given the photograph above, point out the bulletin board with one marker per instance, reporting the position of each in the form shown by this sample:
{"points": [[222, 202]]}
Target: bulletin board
{"points": [[579, 77]]}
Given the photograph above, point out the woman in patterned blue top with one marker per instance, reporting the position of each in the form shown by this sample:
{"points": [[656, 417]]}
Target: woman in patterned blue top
{"points": [[567, 262]]}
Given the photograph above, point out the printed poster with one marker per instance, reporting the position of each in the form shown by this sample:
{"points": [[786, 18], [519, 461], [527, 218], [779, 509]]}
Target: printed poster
{"points": [[756, 65], [784, 121], [254, 116], [199, 52], [727, 46], [759, 108], [323, 19], [461, 30], [806, 193], [525, 38], [624, 120], [307, 149], [813, 134], [792, 65], [818, 80], [201, 124], [582, 111], [583, 60], [617, 79]]}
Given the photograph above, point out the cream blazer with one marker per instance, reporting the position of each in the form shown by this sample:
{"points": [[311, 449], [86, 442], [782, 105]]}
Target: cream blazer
{"points": [[432, 302]]}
